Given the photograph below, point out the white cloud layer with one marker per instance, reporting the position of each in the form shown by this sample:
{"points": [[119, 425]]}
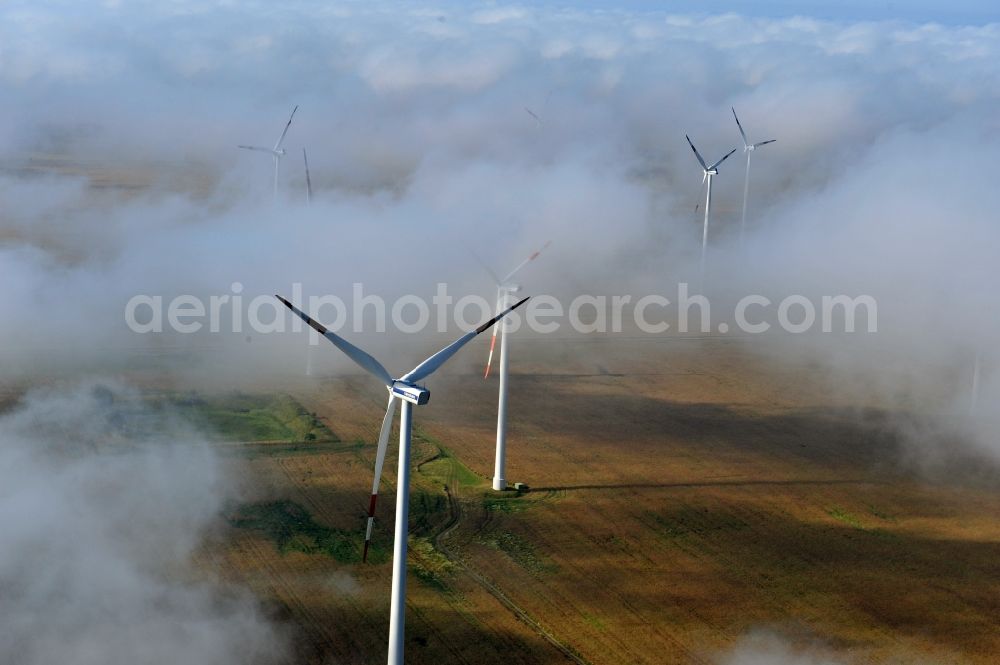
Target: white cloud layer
{"points": [[881, 181], [99, 524]]}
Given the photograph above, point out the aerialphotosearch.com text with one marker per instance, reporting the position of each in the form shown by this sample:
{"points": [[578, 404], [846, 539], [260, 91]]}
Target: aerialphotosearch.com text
{"points": [[682, 312]]}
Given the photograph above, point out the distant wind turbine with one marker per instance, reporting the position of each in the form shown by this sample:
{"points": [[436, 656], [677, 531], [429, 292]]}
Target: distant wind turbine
{"points": [[748, 148], [277, 152], [407, 390], [707, 173], [505, 290]]}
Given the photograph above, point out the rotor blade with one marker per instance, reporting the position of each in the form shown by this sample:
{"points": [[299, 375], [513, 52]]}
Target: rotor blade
{"points": [[696, 153], [309, 185], [746, 142], [287, 125], [432, 364], [493, 337], [489, 359], [534, 255], [532, 114], [363, 359], [253, 147], [482, 264], [757, 145], [383, 443], [714, 166]]}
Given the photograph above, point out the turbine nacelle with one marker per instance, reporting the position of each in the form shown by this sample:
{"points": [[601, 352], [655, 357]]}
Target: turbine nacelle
{"points": [[511, 288], [410, 392]]}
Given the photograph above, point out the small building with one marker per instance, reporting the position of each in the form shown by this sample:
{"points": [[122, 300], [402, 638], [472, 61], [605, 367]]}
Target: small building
{"points": [[520, 487]]}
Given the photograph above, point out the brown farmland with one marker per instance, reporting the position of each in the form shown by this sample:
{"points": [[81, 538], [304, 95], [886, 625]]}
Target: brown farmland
{"points": [[683, 495]]}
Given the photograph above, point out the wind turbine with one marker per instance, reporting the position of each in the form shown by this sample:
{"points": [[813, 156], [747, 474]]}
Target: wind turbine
{"points": [[407, 390], [707, 173], [505, 290], [277, 152], [748, 148]]}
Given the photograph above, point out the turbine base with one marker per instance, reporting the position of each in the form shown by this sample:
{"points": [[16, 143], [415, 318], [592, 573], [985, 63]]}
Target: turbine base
{"points": [[499, 484]]}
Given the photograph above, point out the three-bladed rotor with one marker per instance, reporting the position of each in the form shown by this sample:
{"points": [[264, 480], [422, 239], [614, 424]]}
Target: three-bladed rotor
{"points": [[277, 150], [405, 387], [505, 287], [708, 170], [747, 146]]}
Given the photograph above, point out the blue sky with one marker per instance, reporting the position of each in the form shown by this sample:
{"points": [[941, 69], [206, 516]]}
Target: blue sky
{"points": [[952, 12]]}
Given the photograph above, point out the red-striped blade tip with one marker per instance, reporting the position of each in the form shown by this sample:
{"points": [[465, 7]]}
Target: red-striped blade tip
{"points": [[489, 361]]}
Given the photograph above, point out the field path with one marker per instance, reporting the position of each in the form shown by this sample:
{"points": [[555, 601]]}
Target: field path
{"points": [[454, 520]]}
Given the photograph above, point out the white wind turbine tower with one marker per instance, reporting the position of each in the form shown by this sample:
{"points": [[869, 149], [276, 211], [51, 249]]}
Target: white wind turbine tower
{"points": [[407, 390], [505, 290], [277, 152], [708, 172], [748, 148]]}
